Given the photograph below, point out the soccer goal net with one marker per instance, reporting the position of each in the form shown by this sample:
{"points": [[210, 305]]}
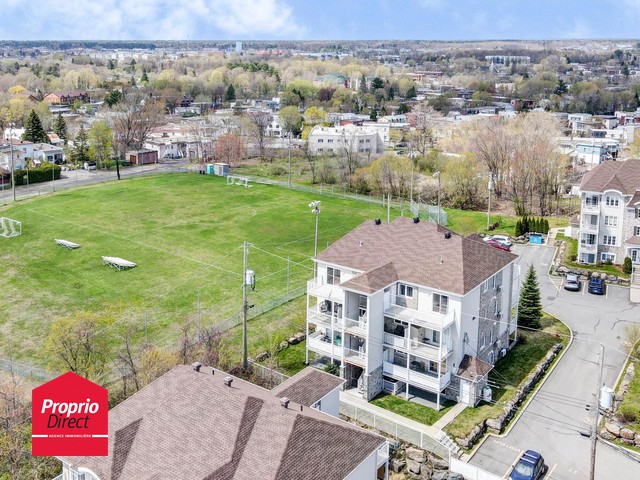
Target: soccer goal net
{"points": [[10, 228]]}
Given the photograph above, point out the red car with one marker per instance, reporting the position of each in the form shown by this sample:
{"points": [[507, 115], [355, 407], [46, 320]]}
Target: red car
{"points": [[498, 245]]}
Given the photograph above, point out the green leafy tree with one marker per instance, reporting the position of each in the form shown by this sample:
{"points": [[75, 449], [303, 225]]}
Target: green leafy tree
{"points": [[291, 120], [60, 127], [80, 150], [100, 138], [33, 130], [530, 306], [627, 266]]}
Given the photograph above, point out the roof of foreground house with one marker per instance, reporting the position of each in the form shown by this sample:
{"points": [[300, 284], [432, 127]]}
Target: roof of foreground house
{"points": [[621, 176], [189, 424], [308, 386], [417, 253], [472, 368]]}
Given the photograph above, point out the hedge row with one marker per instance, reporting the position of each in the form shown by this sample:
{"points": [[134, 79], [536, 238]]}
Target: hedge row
{"points": [[38, 175]]}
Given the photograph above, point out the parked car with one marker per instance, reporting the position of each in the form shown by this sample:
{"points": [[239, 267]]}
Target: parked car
{"points": [[503, 239], [89, 166], [498, 245], [530, 467], [572, 283], [596, 286]]}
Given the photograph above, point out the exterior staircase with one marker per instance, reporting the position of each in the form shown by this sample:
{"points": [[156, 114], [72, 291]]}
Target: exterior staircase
{"points": [[452, 446]]}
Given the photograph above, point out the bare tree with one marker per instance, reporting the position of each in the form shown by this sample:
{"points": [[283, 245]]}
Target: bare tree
{"points": [[422, 138], [135, 118], [229, 148], [492, 145], [260, 122], [312, 160], [348, 160]]}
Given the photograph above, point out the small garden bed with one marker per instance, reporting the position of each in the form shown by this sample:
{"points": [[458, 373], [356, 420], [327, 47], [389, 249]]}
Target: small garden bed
{"points": [[571, 252]]}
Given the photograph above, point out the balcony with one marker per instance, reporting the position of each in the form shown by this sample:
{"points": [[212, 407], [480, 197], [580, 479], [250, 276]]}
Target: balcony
{"points": [[395, 340], [355, 327], [321, 343], [590, 208], [588, 247], [324, 318], [429, 351], [422, 380], [382, 455], [427, 319], [318, 287], [589, 228], [356, 357]]}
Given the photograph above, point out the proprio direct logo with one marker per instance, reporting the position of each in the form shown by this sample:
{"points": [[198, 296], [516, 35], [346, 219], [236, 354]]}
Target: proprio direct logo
{"points": [[70, 418]]}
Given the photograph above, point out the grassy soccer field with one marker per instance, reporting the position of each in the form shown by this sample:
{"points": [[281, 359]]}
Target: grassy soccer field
{"points": [[185, 233]]}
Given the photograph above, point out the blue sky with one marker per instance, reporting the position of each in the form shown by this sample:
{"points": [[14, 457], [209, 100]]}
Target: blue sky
{"points": [[318, 20]]}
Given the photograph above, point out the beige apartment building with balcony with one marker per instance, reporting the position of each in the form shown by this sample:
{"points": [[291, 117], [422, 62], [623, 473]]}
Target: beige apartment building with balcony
{"points": [[412, 308], [610, 213]]}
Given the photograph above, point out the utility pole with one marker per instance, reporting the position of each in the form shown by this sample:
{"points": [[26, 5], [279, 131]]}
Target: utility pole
{"points": [[245, 362], [490, 187], [437, 175], [596, 411], [13, 168], [289, 182]]}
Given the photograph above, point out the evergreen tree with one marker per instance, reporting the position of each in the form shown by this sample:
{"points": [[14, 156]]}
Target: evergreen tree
{"points": [[33, 130], [518, 231], [411, 93], [60, 127], [144, 78], [230, 94], [363, 84], [530, 306], [80, 151], [627, 266]]}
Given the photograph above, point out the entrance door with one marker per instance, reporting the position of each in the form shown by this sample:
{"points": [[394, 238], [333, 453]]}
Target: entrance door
{"points": [[465, 392]]}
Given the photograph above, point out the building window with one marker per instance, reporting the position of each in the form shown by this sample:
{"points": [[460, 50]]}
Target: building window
{"points": [[609, 240], [611, 201], [608, 256], [433, 367], [435, 337], [329, 149], [588, 239], [637, 212], [320, 140], [484, 341], [321, 149], [360, 141], [330, 140], [333, 276], [405, 290], [593, 201], [440, 303], [634, 256], [611, 221], [368, 141], [636, 231]]}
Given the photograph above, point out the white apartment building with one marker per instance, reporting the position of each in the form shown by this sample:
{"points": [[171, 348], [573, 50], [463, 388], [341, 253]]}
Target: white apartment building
{"points": [[413, 308], [348, 138], [610, 213]]}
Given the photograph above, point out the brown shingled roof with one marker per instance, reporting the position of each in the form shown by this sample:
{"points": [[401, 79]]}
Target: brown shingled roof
{"points": [[308, 386], [420, 254], [621, 176], [472, 367], [373, 280], [188, 424]]}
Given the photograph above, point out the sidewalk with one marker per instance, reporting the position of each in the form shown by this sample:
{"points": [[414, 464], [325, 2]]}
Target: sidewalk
{"points": [[448, 417]]}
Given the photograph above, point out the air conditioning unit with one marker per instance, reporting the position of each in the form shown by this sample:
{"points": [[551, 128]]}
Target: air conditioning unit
{"points": [[499, 288]]}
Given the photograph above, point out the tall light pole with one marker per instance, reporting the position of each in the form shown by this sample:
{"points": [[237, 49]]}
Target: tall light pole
{"points": [[596, 411], [437, 175], [13, 168], [315, 208], [490, 187], [289, 183]]}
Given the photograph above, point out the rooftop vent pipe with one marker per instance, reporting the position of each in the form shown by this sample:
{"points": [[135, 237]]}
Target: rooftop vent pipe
{"points": [[196, 366], [227, 381], [284, 401], [447, 235], [416, 219]]}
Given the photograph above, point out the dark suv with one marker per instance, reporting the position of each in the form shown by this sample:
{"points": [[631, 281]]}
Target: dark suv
{"points": [[596, 286], [530, 467]]}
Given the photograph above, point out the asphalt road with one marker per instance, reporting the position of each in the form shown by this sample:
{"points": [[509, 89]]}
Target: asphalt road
{"points": [[553, 421]]}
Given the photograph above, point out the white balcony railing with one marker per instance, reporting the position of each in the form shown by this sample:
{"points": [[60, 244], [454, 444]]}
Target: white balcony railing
{"points": [[395, 340], [429, 351], [422, 380], [355, 326], [321, 344], [590, 208], [318, 287], [382, 455], [320, 318], [589, 227], [424, 318], [588, 247], [358, 357]]}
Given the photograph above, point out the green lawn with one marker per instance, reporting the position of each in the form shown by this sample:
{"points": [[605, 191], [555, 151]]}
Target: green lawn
{"points": [[630, 406], [509, 372], [185, 232], [412, 410]]}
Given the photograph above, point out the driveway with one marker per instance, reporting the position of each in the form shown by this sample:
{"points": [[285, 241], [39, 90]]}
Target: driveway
{"points": [[559, 415]]}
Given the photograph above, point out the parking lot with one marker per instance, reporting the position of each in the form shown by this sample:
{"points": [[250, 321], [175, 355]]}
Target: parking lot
{"points": [[559, 416]]}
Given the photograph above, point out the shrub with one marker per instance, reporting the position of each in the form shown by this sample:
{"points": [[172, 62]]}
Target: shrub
{"points": [[573, 257], [333, 369], [627, 266], [278, 170], [38, 175]]}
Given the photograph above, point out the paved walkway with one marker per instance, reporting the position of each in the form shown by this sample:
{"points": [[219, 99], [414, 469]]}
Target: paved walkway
{"points": [[448, 417]]}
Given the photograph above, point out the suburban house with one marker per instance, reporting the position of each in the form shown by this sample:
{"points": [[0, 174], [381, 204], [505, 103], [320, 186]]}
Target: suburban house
{"points": [[412, 308], [348, 138], [66, 97], [44, 152], [199, 422], [610, 213]]}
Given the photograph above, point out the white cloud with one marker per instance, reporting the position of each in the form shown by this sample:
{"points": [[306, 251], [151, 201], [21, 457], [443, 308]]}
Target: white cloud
{"points": [[147, 19]]}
